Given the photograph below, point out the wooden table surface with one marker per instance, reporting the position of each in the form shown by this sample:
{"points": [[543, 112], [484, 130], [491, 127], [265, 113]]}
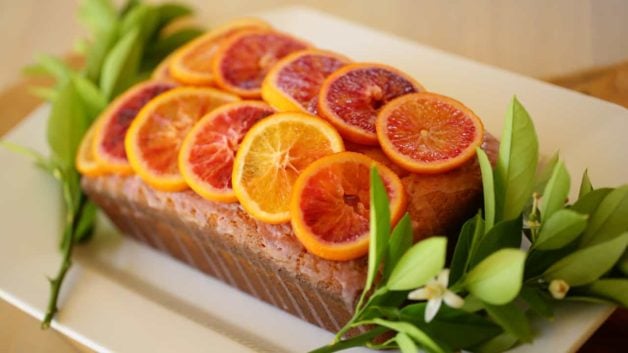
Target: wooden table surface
{"points": [[580, 45]]}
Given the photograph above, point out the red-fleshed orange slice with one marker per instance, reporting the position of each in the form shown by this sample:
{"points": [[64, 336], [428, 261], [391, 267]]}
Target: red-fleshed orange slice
{"points": [[207, 153], [154, 138], [428, 132], [243, 60], [294, 82], [351, 97], [191, 64], [271, 156], [330, 204], [108, 146]]}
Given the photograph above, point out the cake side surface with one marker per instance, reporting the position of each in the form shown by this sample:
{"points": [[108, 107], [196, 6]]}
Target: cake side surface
{"points": [[267, 261]]}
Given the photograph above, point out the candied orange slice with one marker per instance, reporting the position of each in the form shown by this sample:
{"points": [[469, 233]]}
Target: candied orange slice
{"points": [[351, 97], [108, 143], [154, 138], [428, 132], [243, 60], [191, 64], [86, 164], [271, 156], [294, 82], [207, 153], [330, 204]]}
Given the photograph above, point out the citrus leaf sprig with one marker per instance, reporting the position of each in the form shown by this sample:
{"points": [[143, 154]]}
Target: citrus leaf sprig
{"points": [[124, 47], [576, 252]]}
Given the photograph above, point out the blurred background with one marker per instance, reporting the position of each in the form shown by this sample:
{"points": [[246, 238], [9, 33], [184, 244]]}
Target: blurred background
{"points": [[580, 44], [538, 38]]}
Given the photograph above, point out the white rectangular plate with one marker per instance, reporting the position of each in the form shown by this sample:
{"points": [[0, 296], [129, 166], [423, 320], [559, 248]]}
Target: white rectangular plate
{"points": [[123, 296]]}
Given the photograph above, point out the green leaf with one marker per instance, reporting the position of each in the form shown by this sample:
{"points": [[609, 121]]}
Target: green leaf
{"points": [[470, 233], [512, 319], [97, 15], [560, 229], [355, 341], [168, 12], [49, 65], [609, 220], [66, 125], [623, 263], [121, 64], [498, 344], [419, 264], [516, 165], [142, 18], [167, 44], [546, 168], [380, 226], [538, 300], [406, 344], [414, 332], [460, 329], [591, 201], [586, 265], [103, 41], [85, 223], [40, 160], [91, 97], [497, 279], [585, 184], [488, 187], [45, 93], [400, 241], [615, 289], [556, 191], [505, 234]]}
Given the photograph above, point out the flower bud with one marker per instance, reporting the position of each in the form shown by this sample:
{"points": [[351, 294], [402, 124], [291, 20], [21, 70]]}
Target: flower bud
{"points": [[558, 288]]}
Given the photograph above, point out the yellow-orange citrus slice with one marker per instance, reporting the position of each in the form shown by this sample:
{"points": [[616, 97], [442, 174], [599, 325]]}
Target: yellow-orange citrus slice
{"points": [[162, 71], [108, 143], [191, 64], [271, 156], [86, 164], [294, 82], [428, 133], [154, 138], [243, 60], [207, 153], [351, 97], [330, 204]]}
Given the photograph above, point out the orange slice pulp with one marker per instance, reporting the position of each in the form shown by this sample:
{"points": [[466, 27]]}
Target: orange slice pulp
{"points": [[271, 156], [330, 204], [191, 64], [153, 140], [428, 132], [351, 97], [294, 82], [243, 60], [207, 153]]}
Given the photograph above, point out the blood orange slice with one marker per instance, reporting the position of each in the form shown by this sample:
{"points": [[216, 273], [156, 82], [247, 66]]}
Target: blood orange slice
{"points": [[86, 164], [330, 204], [271, 156], [191, 64], [207, 153], [155, 136], [294, 82], [428, 133], [243, 60], [351, 97], [108, 146]]}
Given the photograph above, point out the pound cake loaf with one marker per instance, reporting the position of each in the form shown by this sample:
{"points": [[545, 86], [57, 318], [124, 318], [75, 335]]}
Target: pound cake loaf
{"points": [[266, 260], [250, 158]]}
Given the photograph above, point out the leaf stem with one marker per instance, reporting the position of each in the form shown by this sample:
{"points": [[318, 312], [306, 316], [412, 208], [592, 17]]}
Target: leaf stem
{"points": [[67, 247]]}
